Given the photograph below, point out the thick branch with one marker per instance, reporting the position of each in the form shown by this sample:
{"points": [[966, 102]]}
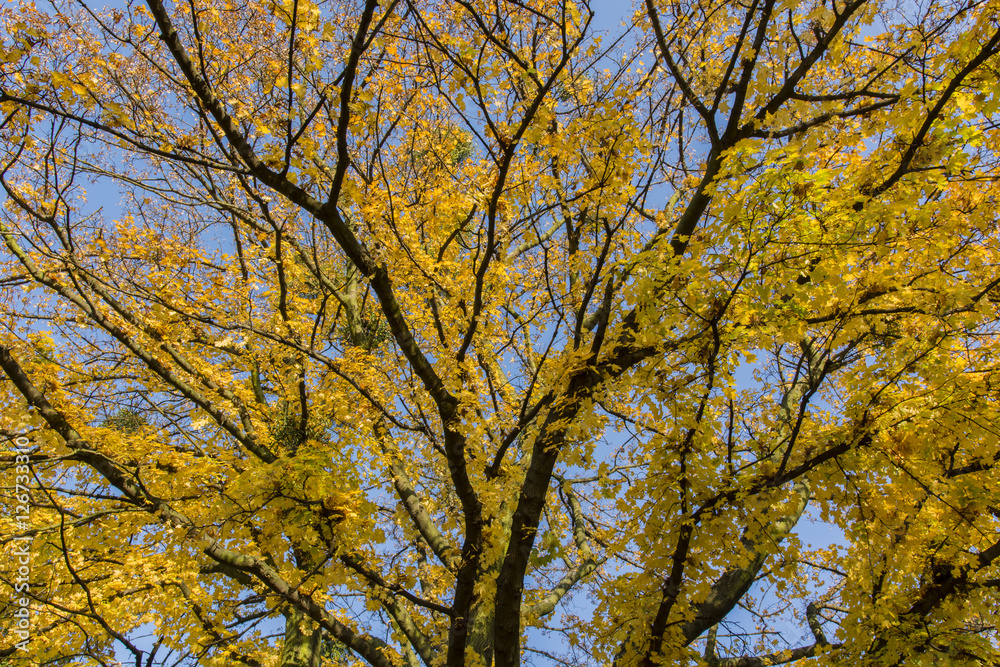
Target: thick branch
{"points": [[328, 212], [777, 658], [989, 50], [548, 604], [421, 518]]}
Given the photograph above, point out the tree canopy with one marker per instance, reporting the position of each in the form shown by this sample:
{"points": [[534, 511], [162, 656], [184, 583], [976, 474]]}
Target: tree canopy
{"points": [[461, 332]]}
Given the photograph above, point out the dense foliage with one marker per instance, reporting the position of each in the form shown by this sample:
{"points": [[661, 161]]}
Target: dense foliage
{"points": [[459, 332]]}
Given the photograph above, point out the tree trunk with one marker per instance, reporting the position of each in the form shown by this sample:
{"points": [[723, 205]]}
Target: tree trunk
{"points": [[302, 641]]}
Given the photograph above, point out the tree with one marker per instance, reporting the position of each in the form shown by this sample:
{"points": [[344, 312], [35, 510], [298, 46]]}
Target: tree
{"points": [[457, 333]]}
